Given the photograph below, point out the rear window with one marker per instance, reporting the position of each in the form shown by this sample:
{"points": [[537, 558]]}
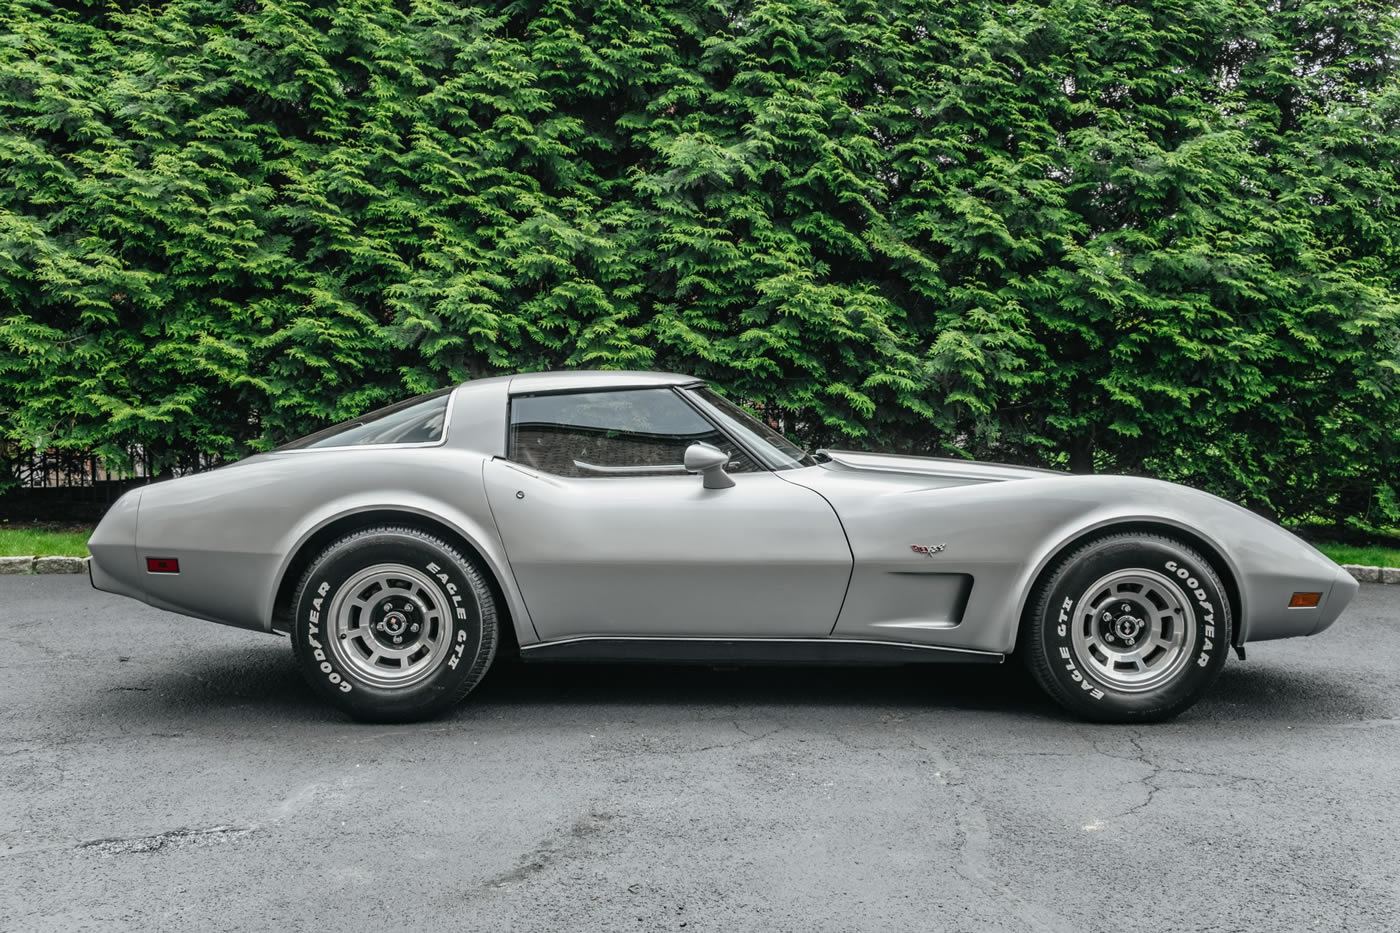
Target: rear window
{"points": [[418, 420]]}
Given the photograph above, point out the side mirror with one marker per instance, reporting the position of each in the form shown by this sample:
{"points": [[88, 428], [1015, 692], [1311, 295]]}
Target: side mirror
{"points": [[708, 460]]}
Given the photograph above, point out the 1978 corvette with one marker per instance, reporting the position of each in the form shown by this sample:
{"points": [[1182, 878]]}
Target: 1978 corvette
{"points": [[559, 514]]}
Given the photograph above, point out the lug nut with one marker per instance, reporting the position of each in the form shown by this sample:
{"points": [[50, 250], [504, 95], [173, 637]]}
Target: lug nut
{"points": [[398, 639], [388, 607], [413, 628], [380, 626]]}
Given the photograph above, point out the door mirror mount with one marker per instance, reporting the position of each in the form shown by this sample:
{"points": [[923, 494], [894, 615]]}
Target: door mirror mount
{"points": [[708, 461]]}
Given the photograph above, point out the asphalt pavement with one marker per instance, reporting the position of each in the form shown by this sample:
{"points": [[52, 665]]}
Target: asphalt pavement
{"points": [[161, 773]]}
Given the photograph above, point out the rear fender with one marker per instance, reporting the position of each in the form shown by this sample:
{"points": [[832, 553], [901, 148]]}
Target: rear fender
{"points": [[479, 534]]}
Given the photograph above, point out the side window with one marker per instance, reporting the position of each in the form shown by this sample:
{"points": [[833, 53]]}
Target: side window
{"points": [[418, 420], [631, 432]]}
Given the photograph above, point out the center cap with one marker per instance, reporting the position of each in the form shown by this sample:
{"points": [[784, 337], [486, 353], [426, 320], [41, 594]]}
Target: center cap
{"points": [[395, 623], [1127, 627]]}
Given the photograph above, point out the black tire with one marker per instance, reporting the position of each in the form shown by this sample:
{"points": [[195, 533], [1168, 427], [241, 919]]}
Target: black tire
{"points": [[380, 584], [1111, 653]]}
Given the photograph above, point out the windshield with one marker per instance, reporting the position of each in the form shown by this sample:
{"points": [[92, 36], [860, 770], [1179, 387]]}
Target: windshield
{"points": [[776, 451], [418, 420]]}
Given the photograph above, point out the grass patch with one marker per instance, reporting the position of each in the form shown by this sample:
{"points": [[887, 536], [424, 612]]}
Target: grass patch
{"points": [[1367, 556], [38, 541]]}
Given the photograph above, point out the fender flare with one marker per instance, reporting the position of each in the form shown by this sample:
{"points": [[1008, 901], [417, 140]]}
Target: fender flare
{"points": [[482, 540], [1082, 531]]}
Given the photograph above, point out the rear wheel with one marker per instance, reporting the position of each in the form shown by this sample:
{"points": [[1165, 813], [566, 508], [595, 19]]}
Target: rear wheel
{"points": [[393, 625], [1128, 628]]}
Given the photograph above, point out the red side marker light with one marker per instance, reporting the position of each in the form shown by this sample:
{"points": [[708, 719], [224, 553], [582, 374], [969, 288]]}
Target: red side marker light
{"points": [[162, 565], [1304, 600]]}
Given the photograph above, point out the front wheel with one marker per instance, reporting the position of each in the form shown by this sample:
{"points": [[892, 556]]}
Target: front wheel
{"points": [[393, 625], [1128, 628]]}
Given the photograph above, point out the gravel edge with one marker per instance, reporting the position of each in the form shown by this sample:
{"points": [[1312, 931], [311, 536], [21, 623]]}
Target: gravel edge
{"points": [[1365, 574], [18, 565]]}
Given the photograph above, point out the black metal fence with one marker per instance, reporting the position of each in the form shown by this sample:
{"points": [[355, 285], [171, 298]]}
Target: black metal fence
{"points": [[50, 469], [64, 487]]}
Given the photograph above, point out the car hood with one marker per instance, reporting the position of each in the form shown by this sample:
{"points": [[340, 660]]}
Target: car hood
{"points": [[969, 471]]}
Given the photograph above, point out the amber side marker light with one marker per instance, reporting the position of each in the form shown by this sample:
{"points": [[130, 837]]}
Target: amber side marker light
{"points": [[162, 565], [1304, 600]]}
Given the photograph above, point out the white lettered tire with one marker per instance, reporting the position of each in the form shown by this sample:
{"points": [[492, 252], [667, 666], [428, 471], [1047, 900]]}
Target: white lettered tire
{"points": [[1128, 628], [393, 624]]}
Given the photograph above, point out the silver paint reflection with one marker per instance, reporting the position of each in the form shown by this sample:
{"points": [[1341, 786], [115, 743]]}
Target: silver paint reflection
{"points": [[810, 551]]}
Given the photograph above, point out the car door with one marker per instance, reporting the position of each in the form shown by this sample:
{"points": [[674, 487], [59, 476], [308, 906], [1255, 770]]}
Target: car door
{"points": [[608, 535]]}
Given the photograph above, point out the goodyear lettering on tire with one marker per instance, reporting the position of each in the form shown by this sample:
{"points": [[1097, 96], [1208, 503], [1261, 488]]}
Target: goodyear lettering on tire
{"points": [[318, 651], [1184, 576]]}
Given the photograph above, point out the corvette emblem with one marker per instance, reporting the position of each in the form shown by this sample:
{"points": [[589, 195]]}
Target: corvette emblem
{"points": [[928, 550]]}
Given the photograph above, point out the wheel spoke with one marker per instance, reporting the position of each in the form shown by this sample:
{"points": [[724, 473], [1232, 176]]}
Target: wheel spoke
{"points": [[368, 652], [362, 603], [1141, 604]]}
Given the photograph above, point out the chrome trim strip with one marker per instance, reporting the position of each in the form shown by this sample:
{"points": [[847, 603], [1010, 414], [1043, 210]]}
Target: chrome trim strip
{"points": [[641, 470], [711, 649]]}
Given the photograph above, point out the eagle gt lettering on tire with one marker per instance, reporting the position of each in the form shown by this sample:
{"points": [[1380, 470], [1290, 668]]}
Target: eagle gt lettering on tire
{"points": [[393, 625], [1127, 628]]}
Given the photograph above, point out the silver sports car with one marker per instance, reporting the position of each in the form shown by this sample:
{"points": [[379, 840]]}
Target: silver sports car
{"points": [[560, 515]]}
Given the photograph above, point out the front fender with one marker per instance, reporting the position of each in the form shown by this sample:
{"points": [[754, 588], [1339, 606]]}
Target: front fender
{"points": [[1266, 562], [919, 541], [1105, 521]]}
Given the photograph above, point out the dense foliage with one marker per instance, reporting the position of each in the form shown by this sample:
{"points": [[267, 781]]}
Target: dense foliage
{"points": [[1155, 237]]}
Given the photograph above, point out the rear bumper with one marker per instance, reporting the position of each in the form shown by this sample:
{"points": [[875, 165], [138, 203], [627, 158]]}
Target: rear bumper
{"points": [[113, 567]]}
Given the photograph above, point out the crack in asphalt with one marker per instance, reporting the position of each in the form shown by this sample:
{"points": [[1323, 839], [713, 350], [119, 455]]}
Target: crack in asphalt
{"points": [[1364, 724], [50, 652], [972, 846], [749, 739], [1149, 782], [413, 733], [1152, 781], [184, 836], [169, 838]]}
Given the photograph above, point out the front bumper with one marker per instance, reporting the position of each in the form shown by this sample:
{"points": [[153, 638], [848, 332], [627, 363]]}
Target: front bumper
{"points": [[1270, 617]]}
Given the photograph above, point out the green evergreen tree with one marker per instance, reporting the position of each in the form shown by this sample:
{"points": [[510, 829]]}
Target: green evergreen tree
{"points": [[1154, 238]]}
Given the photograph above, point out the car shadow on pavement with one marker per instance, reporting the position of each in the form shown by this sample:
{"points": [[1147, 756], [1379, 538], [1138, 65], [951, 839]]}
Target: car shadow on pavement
{"points": [[962, 686], [1264, 693], [260, 682], [263, 682], [1249, 691]]}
